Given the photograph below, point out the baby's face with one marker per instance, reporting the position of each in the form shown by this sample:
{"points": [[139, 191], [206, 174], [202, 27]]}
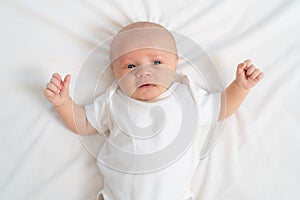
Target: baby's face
{"points": [[145, 74]]}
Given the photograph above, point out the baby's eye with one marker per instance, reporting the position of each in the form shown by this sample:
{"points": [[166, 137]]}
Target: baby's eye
{"points": [[131, 66], [157, 62]]}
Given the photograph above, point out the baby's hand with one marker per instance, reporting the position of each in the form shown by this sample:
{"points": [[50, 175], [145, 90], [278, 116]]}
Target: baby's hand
{"points": [[247, 75], [57, 91]]}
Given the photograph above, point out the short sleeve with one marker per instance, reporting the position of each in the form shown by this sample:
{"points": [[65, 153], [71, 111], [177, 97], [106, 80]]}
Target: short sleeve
{"points": [[97, 114], [209, 106]]}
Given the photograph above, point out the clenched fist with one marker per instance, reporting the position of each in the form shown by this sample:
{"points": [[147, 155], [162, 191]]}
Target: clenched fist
{"points": [[57, 90]]}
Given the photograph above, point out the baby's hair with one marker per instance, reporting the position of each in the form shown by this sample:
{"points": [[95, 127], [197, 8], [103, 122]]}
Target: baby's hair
{"points": [[141, 25]]}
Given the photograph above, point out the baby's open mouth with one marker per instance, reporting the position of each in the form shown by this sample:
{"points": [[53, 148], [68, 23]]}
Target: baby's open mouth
{"points": [[147, 85]]}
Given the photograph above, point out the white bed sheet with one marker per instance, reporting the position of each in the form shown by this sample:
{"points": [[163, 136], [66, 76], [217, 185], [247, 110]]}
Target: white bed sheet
{"points": [[257, 156]]}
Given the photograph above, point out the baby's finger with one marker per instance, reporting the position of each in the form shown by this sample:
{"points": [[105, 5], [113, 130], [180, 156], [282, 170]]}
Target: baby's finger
{"points": [[56, 82], [57, 76], [248, 62], [240, 68], [53, 88], [67, 81], [250, 70], [254, 74], [49, 93], [260, 76]]}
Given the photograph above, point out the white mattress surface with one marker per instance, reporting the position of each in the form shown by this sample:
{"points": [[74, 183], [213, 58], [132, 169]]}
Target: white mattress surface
{"points": [[257, 155]]}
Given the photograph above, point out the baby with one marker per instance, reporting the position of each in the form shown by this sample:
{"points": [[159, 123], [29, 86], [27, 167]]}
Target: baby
{"points": [[149, 156]]}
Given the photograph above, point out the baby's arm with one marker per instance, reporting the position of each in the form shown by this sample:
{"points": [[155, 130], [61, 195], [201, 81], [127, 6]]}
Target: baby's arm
{"points": [[247, 76], [73, 115]]}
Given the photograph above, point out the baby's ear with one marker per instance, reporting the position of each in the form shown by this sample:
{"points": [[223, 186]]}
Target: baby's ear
{"points": [[112, 68]]}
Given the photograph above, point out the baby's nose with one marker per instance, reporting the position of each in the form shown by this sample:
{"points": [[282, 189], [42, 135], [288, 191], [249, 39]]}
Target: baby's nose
{"points": [[143, 71]]}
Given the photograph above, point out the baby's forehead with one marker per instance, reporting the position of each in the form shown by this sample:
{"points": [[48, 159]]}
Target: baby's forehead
{"points": [[150, 52], [142, 38]]}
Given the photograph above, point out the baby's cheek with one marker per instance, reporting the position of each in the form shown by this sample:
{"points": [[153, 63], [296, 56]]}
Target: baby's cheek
{"points": [[121, 73], [127, 84]]}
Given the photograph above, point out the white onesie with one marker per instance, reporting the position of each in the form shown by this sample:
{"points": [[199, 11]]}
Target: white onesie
{"points": [[152, 147]]}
